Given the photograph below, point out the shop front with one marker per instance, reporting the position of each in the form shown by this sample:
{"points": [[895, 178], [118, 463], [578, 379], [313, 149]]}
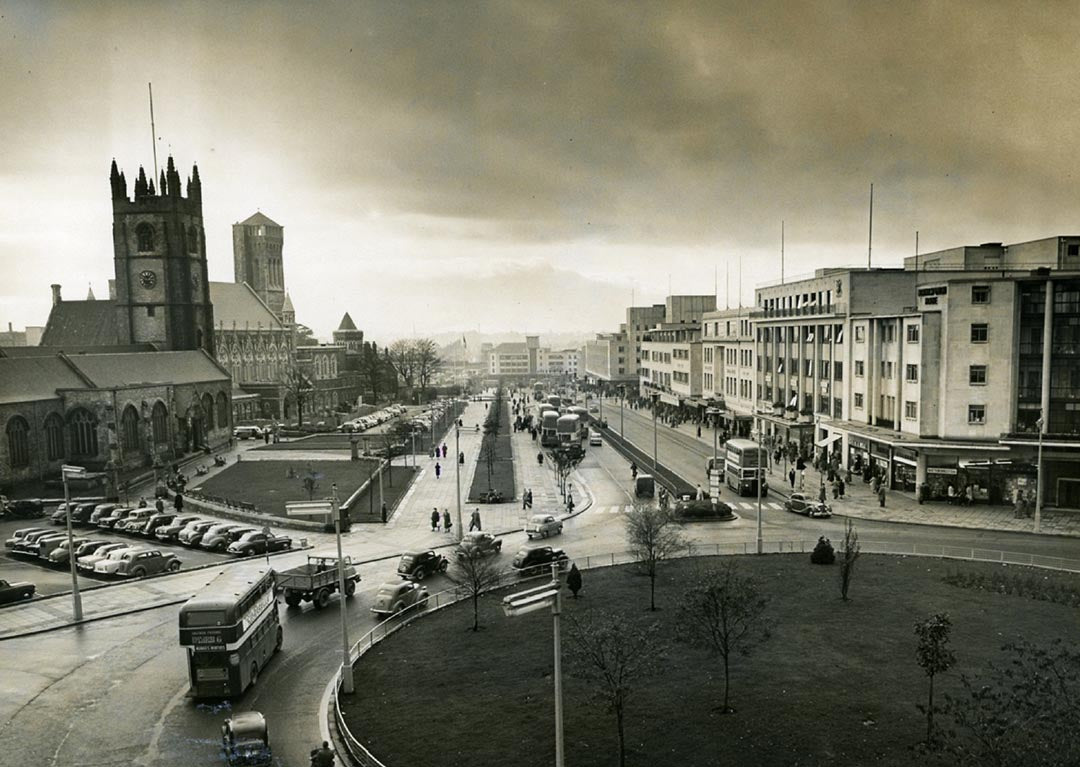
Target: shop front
{"points": [[941, 471], [858, 453], [995, 480], [879, 457], [904, 462]]}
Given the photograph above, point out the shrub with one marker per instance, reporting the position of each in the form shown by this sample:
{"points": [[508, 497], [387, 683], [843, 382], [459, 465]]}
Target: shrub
{"points": [[823, 553]]}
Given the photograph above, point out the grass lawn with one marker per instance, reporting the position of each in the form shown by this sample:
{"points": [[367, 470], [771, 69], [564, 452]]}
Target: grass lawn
{"points": [[837, 683], [266, 484]]}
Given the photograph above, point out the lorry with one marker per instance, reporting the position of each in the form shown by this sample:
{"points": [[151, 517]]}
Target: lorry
{"points": [[316, 581]]}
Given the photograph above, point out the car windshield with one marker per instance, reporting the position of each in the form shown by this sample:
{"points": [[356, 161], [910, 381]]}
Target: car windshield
{"points": [[117, 553]]}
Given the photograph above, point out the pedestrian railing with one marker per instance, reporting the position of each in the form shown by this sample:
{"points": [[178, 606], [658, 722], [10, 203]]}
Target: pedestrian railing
{"points": [[363, 757]]}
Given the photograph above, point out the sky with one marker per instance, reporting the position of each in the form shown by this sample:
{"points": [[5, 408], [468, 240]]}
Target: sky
{"points": [[535, 166]]}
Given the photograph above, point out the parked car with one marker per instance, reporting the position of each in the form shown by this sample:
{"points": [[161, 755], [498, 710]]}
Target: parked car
{"points": [[88, 562], [137, 563], [219, 538], [259, 542], [49, 544], [417, 565], [543, 525], [110, 563], [101, 510], [537, 560], [61, 554], [134, 521], [21, 533], [157, 520], [29, 543], [108, 521], [192, 535], [82, 512], [247, 432], [59, 514], [392, 598], [800, 504], [171, 531], [13, 592], [27, 508], [478, 544]]}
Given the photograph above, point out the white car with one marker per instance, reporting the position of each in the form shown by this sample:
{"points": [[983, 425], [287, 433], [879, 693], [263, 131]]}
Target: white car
{"points": [[90, 562], [110, 565], [247, 432], [595, 440]]}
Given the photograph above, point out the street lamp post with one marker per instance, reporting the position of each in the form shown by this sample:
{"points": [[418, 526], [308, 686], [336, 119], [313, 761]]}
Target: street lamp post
{"points": [[1040, 425], [346, 657], [622, 405], [76, 472], [760, 479], [457, 476], [655, 407]]}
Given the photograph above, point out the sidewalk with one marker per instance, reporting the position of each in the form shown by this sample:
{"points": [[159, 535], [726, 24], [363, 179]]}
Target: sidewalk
{"points": [[529, 474]]}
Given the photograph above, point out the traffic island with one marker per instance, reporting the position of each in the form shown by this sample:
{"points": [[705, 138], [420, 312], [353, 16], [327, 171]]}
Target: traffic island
{"points": [[494, 474], [835, 683]]}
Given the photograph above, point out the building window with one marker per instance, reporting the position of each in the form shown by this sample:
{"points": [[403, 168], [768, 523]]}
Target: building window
{"points": [[151, 311], [222, 410], [1072, 249], [976, 414], [82, 431], [207, 403], [977, 375], [980, 294], [979, 332], [910, 410], [838, 371], [18, 433], [860, 334], [911, 373], [129, 429], [54, 437], [913, 334], [858, 401], [860, 368], [144, 235], [889, 332], [159, 423]]}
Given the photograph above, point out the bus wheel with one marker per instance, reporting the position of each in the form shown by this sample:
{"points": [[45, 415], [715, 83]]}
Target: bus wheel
{"points": [[350, 588], [322, 598], [292, 599], [280, 639], [254, 673]]}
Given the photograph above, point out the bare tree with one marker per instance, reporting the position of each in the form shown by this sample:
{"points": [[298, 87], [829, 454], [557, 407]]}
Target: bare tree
{"points": [[475, 575], [653, 536], [389, 374], [298, 386], [427, 361], [724, 612], [612, 656], [848, 557], [371, 369], [403, 358], [489, 455], [934, 656]]}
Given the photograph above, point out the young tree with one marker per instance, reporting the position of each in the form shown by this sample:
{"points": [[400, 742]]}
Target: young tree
{"points": [[934, 657], [489, 455], [403, 358], [311, 483], [848, 557], [612, 655], [724, 612], [475, 575], [573, 580], [653, 536], [298, 386]]}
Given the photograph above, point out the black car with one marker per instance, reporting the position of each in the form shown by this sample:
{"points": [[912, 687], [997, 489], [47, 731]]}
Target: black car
{"points": [[13, 592], [80, 515], [21, 509], [158, 520], [417, 565], [536, 560], [478, 544], [259, 542]]}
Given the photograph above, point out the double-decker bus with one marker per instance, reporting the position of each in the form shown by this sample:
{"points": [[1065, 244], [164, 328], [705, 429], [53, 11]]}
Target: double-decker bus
{"points": [[744, 462], [231, 630]]}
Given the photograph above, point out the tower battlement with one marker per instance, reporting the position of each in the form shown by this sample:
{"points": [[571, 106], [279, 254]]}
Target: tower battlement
{"points": [[168, 190]]}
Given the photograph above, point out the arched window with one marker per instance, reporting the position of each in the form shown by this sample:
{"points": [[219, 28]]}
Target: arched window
{"points": [[82, 431], [208, 410], [192, 239], [144, 234], [159, 423], [222, 410], [129, 429], [18, 434], [54, 437]]}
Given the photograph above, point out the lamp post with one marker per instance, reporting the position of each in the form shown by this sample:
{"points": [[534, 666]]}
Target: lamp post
{"points": [[655, 407], [346, 659], [760, 477], [457, 476], [76, 472], [1040, 425], [622, 404]]}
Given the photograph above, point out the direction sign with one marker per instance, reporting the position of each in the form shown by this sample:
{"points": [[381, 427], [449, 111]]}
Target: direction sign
{"points": [[309, 509]]}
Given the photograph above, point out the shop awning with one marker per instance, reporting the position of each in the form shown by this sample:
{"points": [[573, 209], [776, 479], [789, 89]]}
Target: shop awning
{"points": [[825, 442]]}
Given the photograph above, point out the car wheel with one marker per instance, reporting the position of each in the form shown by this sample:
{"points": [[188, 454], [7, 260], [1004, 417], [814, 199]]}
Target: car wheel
{"points": [[443, 566], [174, 566], [350, 588], [292, 599], [322, 597], [399, 607], [419, 573]]}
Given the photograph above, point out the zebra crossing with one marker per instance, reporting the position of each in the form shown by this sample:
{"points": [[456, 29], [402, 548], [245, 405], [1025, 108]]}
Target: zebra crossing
{"points": [[737, 505]]}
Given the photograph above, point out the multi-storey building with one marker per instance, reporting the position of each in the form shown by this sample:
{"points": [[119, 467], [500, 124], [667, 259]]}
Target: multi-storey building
{"points": [[671, 363], [728, 374], [638, 320], [608, 361]]}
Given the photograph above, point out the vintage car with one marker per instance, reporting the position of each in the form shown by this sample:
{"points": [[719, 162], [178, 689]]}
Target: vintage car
{"points": [[193, 533], [478, 544], [100, 511], [156, 520], [417, 565], [218, 539], [245, 741], [21, 509], [21, 533], [108, 521], [137, 563], [800, 504], [537, 560], [259, 542], [80, 515], [60, 553], [49, 544], [134, 521], [90, 561], [543, 525], [59, 514], [30, 542], [392, 598], [13, 592], [170, 531]]}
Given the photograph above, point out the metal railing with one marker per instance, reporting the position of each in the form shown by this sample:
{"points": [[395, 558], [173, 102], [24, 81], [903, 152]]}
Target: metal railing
{"points": [[362, 756]]}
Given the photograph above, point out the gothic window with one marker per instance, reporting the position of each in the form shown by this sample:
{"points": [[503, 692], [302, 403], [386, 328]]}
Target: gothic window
{"points": [[159, 423], [18, 442], [222, 410], [129, 429], [208, 411], [82, 431], [144, 234], [54, 437], [192, 239]]}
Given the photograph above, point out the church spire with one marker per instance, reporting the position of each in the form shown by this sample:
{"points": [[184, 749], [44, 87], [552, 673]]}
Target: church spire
{"points": [[141, 189]]}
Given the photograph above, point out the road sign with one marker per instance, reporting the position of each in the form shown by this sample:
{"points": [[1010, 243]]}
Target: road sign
{"points": [[309, 509], [530, 600]]}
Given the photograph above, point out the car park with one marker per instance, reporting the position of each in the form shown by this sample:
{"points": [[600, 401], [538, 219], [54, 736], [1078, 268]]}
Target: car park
{"points": [[171, 531], [542, 526], [192, 535], [138, 563], [536, 560], [219, 539], [393, 598], [800, 504], [479, 544], [101, 510], [13, 592], [59, 554], [417, 565], [21, 533], [90, 561], [259, 542], [135, 519]]}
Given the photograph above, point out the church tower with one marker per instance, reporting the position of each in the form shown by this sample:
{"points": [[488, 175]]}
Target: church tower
{"points": [[258, 261], [159, 255]]}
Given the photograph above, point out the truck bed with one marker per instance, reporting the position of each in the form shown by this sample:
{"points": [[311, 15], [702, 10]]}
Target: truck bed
{"points": [[306, 577]]}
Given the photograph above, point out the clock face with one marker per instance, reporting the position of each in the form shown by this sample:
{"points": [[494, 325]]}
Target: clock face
{"points": [[147, 278]]}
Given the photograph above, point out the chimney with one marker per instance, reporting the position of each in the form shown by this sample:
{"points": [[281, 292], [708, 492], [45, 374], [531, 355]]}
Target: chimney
{"points": [[55, 294], [9, 328]]}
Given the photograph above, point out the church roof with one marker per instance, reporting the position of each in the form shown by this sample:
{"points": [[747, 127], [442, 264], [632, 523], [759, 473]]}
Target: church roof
{"points": [[107, 371], [259, 219], [32, 379], [347, 323], [81, 323], [70, 350], [238, 303]]}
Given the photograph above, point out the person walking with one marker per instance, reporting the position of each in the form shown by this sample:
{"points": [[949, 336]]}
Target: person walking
{"points": [[384, 512], [322, 757], [444, 449], [178, 502], [699, 432], [881, 496], [438, 470], [835, 490], [840, 486], [821, 493], [525, 499], [474, 521], [791, 477], [700, 494], [802, 480], [875, 485], [159, 505], [1018, 508], [447, 523], [435, 520], [970, 496], [530, 498]]}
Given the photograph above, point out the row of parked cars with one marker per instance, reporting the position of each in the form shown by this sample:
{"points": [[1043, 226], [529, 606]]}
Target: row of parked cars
{"points": [[366, 422], [98, 556]]}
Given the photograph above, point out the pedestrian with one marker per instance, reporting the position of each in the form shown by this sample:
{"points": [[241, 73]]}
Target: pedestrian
{"points": [[881, 496], [159, 505], [530, 498], [875, 485], [142, 502], [835, 490], [802, 479], [435, 519], [446, 522], [474, 521], [322, 757], [791, 477], [970, 498], [951, 493], [700, 494], [920, 493], [438, 470], [266, 436], [699, 432], [525, 499], [444, 450], [821, 493], [178, 503], [840, 487], [384, 512], [1018, 506]]}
